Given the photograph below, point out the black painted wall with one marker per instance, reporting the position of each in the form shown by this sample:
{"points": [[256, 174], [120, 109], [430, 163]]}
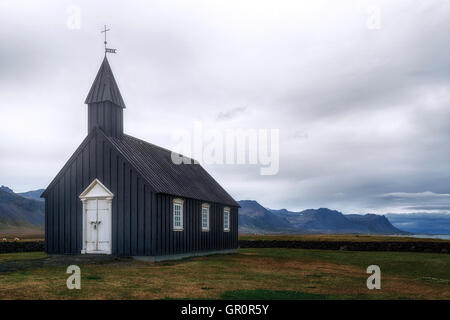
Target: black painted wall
{"points": [[192, 238], [141, 219]]}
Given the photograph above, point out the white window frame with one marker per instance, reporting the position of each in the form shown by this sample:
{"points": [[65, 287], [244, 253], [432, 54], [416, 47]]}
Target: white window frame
{"points": [[226, 212], [178, 202], [205, 206]]}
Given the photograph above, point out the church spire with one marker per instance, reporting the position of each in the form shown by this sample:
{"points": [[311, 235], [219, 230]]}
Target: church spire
{"points": [[105, 87], [105, 103]]}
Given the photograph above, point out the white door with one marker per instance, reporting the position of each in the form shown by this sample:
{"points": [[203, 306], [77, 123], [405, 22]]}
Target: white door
{"points": [[91, 232], [98, 226], [104, 226], [97, 215]]}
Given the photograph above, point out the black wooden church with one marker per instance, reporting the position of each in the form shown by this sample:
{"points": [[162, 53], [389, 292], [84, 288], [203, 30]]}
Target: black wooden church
{"points": [[123, 196]]}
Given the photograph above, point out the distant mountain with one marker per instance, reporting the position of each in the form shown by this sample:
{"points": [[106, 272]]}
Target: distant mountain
{"points": [[375, 223], [19, 212], [35, 194], [6, 189], [253, 218], [421, 223], [324, 220]]}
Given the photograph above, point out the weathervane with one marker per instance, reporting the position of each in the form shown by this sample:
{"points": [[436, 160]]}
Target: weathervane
{"points": [[107, 50]]}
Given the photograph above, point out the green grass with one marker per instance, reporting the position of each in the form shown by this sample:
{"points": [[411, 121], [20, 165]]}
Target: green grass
{"points": [[399, 263], [436, 280], [93, 277], [251, 274], [4, 257], [271, 295]]}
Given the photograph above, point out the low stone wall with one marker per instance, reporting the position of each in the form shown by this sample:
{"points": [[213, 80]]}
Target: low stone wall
{"points": [[21, 246], [413, 246]]}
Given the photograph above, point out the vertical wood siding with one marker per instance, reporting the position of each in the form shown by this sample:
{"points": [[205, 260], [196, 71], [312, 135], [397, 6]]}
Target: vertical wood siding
{"points": [[130, 220], [192, 238], [141, 219], [107, 116]]}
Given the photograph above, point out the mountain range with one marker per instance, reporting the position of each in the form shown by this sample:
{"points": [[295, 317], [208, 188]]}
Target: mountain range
{"points": [[34, 195], [254, 218], [25, 211]]}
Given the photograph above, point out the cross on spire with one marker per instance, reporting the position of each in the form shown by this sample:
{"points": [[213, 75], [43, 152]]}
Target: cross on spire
{"points": [[107, 50]]}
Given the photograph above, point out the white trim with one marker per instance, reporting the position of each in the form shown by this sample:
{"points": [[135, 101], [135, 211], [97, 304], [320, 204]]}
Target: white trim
{"points": [[226, 211], [205, 206], [179, 202], [84, 201], [85, 193]]}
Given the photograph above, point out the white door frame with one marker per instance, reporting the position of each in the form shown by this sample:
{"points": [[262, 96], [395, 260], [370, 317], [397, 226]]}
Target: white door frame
{"points": [[95, 191]]}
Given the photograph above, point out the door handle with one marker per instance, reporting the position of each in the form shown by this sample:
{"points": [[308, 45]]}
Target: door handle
{"points": [[95, 223]]}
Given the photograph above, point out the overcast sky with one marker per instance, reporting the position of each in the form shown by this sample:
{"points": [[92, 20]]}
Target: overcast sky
{"points": [[360, 91]]}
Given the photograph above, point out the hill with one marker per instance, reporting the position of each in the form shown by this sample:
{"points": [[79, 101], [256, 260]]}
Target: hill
{"points": [[254, 218], [376, 224], [18, 213], [35, 194]]}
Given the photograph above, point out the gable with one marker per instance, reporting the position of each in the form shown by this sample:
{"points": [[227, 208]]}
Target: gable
{"points": [[87, 164], [96, 190], [69, 162]]}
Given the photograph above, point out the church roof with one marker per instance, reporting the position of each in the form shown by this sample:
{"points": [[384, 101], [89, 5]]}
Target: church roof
{"points": [[105, 87], [156, 166]]}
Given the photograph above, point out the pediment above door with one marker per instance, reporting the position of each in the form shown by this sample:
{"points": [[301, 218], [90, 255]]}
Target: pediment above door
{"points": [[96, 190]]}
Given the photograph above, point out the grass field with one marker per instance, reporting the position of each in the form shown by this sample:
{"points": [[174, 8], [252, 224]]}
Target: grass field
{"points": [[335, 237], [8, 257], [33, 236], [250, 274], [23, 234]]}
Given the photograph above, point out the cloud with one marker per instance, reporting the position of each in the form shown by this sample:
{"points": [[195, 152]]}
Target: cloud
{"points": [[361, 113], [445, 208], [425, 202], [416, 195]]}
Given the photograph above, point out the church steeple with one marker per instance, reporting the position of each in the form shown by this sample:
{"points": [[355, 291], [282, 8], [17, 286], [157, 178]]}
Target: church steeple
{"points": [[105, 103], [105, 87]]}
